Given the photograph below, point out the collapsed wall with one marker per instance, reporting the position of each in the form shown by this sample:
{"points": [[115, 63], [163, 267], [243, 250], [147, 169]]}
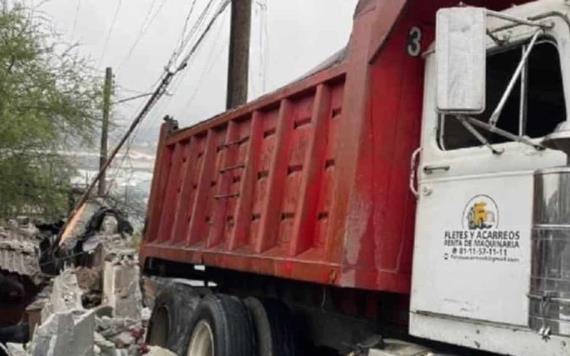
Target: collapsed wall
{"points": [[94, 305]]}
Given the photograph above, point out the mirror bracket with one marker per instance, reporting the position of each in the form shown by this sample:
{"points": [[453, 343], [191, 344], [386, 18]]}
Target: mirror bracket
{"points": [[496, 39], [477, 135], [518, 20], [501, 132], [497, 113]]}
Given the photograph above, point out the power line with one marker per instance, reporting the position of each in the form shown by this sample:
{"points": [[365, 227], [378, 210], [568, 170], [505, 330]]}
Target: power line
{"points": [[132, 98], [75, 19], [165, 81], [210, 65], [186, 38], [145, 25], [176, 82], [264, 68], [111, 30], [184, 41], [186, 58], [187, 20]]}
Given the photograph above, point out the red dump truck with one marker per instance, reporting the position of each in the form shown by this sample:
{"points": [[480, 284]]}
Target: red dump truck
{"points": [[411, 193]]}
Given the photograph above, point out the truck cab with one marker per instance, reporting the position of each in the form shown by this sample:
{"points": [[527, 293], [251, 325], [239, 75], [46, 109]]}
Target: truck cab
{"points": [[491, 252]]}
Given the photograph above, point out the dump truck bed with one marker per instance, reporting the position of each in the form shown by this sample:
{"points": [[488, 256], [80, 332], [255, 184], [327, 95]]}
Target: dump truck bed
{"points": [[310, 182], [252, 189], [307, 183]]}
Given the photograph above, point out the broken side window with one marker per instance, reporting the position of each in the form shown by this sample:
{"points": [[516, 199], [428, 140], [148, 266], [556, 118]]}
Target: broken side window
{"points": [[534, 108]]}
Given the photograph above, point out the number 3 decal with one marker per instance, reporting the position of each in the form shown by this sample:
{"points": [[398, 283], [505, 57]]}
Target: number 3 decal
{"points": [[415, 41]]}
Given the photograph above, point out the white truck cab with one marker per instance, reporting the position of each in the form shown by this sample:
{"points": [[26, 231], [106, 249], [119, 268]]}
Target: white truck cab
{"points": [[492, 247]]}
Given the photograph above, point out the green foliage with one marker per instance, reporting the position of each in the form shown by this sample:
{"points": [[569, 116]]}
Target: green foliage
{"points": [[49, 102]]}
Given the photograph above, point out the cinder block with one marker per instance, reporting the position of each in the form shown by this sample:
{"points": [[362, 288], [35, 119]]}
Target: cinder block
{"points": [[121, 289]]}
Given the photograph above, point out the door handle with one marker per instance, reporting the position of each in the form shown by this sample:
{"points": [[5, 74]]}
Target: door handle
{"points": [[432, 169]]}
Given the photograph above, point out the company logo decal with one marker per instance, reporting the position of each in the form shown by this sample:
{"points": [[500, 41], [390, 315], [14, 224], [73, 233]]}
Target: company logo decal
{"points": [[481, 212], [480, 237]]}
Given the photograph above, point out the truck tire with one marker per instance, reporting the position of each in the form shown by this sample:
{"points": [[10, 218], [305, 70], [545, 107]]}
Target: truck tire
{"points": [[275, 329], [220, 326], [170, 318]]}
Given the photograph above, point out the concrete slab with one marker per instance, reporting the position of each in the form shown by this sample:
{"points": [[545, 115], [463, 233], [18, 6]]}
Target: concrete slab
{"points": [[121, 289]]}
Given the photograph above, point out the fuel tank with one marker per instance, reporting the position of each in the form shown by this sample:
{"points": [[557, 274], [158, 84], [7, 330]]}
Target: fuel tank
{"points": [[550, 273]]}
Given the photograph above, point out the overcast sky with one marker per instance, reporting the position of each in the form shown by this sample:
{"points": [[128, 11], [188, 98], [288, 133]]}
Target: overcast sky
{"points": [[289, 37]]}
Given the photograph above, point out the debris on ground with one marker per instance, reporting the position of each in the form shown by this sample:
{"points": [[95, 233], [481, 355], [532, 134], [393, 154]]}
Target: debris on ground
{"points": [[94, 305], [19, 246], [159, 351]]}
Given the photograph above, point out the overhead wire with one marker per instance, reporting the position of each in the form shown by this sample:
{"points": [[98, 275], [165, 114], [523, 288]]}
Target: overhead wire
{"points": [[187, 20], [215, 52], [252, 76], [165, 80], [184, 38], [115, 16], [75, 18], [265, 30], [265, 48], [145, 25], [187, 38]]}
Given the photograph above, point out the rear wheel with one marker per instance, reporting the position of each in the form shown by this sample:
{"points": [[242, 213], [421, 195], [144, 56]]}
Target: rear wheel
{"points": [[275, 330], [159, 327], [220, 326], [168, 324], [202, 340]]}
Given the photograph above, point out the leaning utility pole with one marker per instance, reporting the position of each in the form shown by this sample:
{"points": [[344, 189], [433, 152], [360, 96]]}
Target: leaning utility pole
{"points": [[105, 129], [238, 66]]}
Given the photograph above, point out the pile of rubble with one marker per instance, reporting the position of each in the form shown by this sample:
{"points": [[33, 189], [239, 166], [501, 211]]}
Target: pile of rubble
{"points": [[95, 309], [19, 246]]}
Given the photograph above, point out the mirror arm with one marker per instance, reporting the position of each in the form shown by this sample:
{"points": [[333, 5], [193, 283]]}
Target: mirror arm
{"points": [[501, 132], [496, 39], [518, 20], [478, 135], [497, 113]]}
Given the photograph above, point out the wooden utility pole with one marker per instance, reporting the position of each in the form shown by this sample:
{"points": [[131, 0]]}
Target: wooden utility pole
{"points": [[107, 89], [238, 66]]}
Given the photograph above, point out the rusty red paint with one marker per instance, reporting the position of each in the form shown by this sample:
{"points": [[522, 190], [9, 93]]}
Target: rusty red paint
{"points": [[321, 192]]}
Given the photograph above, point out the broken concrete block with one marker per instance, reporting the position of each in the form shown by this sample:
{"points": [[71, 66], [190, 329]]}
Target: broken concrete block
{"points": [[159, 351], [66, 294], [16, 349], [46, 312], [59, 343], [83, 335], [88, 278], [124, 340], [52, 336], [106, 347], [65, 334], [121, 289]]}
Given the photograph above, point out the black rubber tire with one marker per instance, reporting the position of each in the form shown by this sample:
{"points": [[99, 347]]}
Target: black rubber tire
{"points": [[230, 322], [171, 316], [275, 329]]}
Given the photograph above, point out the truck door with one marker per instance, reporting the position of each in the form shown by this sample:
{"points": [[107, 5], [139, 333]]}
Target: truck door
{"points": [[472, 245]]}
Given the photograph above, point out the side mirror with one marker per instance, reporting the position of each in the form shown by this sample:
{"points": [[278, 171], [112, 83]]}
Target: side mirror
{"points": [[461, 60]]}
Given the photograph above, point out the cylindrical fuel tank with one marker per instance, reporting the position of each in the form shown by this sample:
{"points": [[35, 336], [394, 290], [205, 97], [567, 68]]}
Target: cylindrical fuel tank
{"points": [[550, 275]]}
